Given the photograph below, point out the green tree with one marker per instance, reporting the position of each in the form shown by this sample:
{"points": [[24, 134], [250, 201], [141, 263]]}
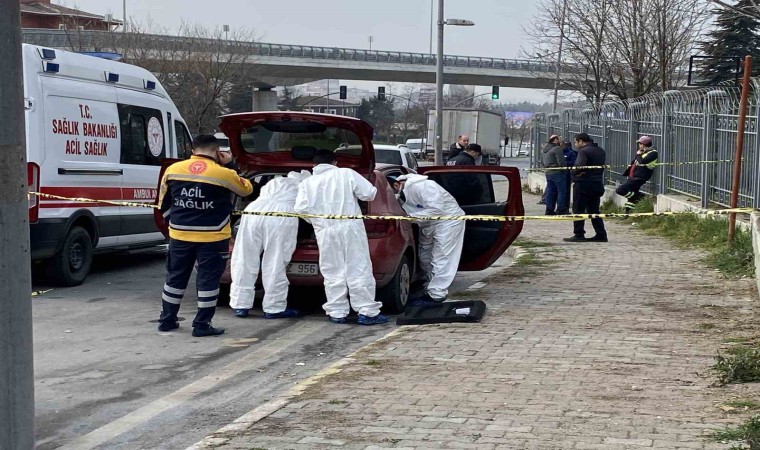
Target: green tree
{"points": [[735, 34], [378, 113]]}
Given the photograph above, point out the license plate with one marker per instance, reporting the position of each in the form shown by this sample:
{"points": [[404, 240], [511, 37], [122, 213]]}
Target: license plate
{"points": [[303, 269]]}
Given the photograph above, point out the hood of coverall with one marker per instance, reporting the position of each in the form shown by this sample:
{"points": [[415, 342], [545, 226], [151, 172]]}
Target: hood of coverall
{"points": [[427, 198]]}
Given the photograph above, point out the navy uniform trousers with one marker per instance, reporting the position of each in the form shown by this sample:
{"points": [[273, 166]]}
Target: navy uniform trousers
{"points": [[212, 259]]}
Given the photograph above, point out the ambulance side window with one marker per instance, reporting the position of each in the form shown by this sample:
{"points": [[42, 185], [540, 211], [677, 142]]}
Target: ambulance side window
{"points": [[142, 135], [184, 142]]}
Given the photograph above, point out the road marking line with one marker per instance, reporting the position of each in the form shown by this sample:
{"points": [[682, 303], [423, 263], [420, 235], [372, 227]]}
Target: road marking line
{"points": [[247, 420], [292, 335]]}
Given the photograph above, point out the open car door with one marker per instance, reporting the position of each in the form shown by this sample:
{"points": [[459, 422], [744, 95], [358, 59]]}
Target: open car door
{"points": [[483, 190], [157, 216]]}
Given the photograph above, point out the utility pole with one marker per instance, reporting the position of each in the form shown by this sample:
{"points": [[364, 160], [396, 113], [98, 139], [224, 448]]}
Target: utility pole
{"points": [[124, 25], [439, 90], [16, 358], [431, 26]]}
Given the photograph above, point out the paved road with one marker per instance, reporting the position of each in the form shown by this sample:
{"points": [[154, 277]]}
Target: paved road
{"points": [[598, 346], [101, 366]]}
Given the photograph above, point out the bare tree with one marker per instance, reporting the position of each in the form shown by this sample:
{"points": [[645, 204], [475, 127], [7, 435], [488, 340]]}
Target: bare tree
{"points": [[619, 48]]}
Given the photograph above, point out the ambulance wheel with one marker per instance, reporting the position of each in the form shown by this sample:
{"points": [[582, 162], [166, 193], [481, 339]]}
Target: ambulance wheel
{"points": [[396, 293], [71, 265]]}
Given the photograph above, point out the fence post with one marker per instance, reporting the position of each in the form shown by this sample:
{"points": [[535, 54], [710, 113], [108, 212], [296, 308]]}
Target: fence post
{"points": [[708, 143], [606, 129], [668, 101], [586, 116], [756, 104]]}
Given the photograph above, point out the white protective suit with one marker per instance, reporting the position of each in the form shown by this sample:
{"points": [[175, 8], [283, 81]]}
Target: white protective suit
{"points": [[343, 247], [440, 246], [275, 238]]}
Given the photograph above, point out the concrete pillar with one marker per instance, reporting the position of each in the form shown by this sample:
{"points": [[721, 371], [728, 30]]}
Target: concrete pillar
{"points": [[264, 99]]}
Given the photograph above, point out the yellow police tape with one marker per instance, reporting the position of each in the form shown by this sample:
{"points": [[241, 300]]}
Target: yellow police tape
{"points": [[608, 166], [485, 218]]}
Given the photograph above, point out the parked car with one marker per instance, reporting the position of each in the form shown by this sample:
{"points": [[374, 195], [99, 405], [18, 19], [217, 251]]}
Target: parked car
{"points": [[389, 155], [270, 144], [416, 146]]}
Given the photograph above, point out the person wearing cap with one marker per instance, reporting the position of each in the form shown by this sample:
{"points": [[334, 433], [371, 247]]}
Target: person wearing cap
{"points": [[553, 159], [467, 157], [588, 188], [638, 172], [468, 188], [440, 241]]}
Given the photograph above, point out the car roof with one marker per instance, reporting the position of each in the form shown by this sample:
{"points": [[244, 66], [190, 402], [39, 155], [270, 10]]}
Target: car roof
{"points": [[386, 147]]}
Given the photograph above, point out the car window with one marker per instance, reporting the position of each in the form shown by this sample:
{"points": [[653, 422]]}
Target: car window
{"points": [[467, 188], [411, 160], [142, 135], [283, 136], [388, 157]]}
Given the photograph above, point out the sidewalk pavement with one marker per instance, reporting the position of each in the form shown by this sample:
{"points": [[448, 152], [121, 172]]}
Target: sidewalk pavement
{"points": [[598, 346]]}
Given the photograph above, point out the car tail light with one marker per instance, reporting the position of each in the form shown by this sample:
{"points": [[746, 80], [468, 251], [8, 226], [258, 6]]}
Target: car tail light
{"points": [[379, 228], [33, 181]]}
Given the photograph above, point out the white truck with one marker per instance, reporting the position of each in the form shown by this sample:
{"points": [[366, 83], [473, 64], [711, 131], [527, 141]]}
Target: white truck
{"points": [[483, 128]]}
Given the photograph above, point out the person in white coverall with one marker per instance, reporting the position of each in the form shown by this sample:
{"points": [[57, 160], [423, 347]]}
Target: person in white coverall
{"points": [[343, 247], [441, 241], [275, 238]]}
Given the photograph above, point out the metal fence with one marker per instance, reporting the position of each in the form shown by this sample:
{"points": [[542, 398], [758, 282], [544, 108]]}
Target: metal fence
{"points": [[691, 129]]}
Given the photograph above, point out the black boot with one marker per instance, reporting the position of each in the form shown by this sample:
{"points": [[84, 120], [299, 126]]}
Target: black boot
{"points": [[208, 331], [167, 321]]}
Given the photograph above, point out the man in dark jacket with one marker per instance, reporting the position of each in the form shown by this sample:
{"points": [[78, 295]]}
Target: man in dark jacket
{"points": [[457, 147], [468, 188], [638, 173], [588, 188], [553, 161]]}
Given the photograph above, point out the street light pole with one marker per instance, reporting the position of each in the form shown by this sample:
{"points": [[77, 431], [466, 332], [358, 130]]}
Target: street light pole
{"points": [[559, 55], [439, 90], [16, 354], [431, 26], [124, 25]]}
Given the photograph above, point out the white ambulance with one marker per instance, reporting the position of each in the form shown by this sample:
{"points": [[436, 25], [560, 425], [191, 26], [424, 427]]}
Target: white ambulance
{"points": [[98, 129]]}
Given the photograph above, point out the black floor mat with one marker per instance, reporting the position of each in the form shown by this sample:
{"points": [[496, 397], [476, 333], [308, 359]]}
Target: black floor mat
{"points": [[447, 312]]}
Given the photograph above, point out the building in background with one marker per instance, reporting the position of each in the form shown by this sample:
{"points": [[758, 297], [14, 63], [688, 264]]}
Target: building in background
{"points": [[44, 14], [312, 103]]}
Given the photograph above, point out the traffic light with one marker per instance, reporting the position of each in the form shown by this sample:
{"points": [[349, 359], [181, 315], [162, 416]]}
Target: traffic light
{"points": [[381, 93], [343, 92], [494, 92]]}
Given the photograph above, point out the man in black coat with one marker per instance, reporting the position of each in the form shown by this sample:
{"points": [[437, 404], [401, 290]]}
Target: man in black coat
{"points": [[588, 188], [457, 147], [468, 189]]}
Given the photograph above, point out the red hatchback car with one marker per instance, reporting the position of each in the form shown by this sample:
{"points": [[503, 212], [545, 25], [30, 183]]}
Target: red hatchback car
{"points": [[270, 144]]}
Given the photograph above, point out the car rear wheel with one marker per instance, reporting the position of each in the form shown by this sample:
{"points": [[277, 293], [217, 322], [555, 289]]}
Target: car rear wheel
{"points": [[71, 265], [396, 293]]}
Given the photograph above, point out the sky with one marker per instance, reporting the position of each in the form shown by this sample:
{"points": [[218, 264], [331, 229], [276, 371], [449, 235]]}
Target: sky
{"points": [[401, 25]]}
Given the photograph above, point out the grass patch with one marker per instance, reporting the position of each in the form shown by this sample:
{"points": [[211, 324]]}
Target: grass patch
{"points": [[336, 402], [706, 326], [527, 243], [609, 207], [739, 365], [747, 434], [743, 404], [529, 259], [373, 362], [689, 230]]}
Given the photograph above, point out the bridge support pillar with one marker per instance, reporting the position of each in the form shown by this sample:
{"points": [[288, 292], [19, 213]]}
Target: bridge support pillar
{"points": [[264, 99]]}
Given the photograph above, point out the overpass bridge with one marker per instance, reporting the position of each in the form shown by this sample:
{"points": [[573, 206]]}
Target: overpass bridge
{"points": [[296, 64]]}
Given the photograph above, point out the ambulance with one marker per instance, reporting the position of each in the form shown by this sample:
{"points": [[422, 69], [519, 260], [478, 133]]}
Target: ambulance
{"points": [[97, 129]]}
